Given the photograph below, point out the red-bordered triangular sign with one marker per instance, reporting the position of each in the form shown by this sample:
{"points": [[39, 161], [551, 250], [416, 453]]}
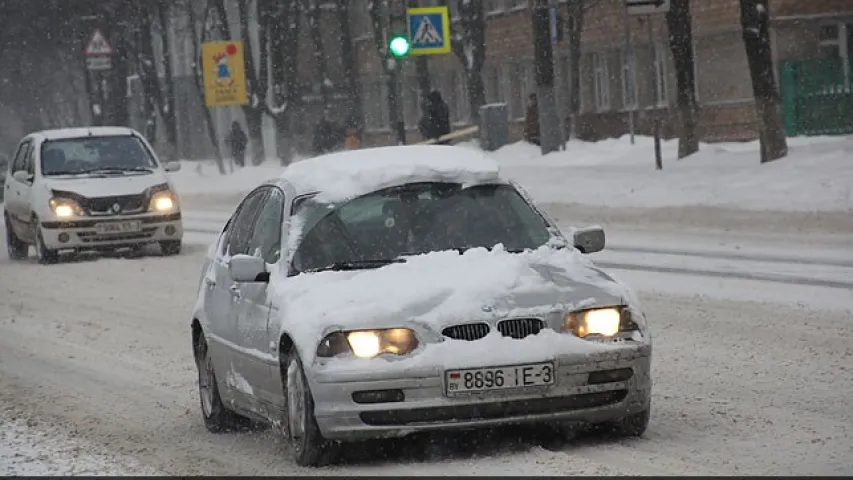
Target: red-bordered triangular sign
{"points": [[98, 45]]}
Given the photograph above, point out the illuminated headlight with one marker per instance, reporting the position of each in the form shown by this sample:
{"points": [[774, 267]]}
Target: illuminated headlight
{"points": [[369, 343], [599, 322], [162, 202], [64, 208]]}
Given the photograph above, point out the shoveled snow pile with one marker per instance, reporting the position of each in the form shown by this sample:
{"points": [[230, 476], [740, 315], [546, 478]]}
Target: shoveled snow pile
{"points": [[814, 177], [433, 290]]}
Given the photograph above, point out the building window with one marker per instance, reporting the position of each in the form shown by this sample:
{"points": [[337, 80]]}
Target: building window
{"points": [[836, 40], [494, 6], [601, 81], [660, 75], [629, 79], [516, 4], [360, 21]]}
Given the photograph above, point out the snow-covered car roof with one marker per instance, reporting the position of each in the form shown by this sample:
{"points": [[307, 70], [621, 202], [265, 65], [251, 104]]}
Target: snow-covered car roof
{"points": [[346, 175], [63, 133]]}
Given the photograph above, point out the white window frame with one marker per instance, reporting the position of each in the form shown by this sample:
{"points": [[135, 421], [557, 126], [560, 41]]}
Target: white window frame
{"points": [[601, 81], [839, 42], [494, 7], [662, 99], [630, 97]]}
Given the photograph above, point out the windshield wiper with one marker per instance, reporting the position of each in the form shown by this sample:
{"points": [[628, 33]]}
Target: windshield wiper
{"points": [[358, 264], [118, 170]]}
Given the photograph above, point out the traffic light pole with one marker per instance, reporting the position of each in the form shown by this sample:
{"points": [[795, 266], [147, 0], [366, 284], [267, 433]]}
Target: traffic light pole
{"points": [[392, 69], [549, 118]]}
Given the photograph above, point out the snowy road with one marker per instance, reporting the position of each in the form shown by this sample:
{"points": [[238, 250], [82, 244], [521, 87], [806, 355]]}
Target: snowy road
{"points": [[751, 376]]}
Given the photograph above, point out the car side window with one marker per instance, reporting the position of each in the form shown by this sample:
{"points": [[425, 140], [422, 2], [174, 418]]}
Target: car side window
{"points": [[20, 157], [30, 162], [241, 225], [266, 234]]}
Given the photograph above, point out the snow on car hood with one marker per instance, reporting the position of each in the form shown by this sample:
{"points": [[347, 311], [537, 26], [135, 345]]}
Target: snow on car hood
{"points": [[443, 288], [105, 186]]}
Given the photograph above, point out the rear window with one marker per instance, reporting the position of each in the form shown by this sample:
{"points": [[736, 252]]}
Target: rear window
{"points": [[91, 154]]}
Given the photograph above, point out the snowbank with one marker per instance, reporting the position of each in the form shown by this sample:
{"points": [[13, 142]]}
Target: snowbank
{"points": [[816, 176]]}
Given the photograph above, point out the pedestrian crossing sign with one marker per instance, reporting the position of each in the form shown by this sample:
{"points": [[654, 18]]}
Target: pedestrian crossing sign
{"points": [[429, 30]]}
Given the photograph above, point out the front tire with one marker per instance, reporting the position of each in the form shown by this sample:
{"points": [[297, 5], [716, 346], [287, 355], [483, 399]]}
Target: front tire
{"points": [[170, 247], [310, 449], [18, 249], [217, 418], [46, 256]]}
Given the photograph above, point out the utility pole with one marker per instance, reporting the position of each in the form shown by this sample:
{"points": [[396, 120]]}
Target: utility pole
{"points": [[549, 118], [631, 58]]}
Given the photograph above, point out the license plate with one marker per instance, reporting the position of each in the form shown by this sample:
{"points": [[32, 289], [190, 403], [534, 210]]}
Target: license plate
{"points": [[499, 378], [118, 227]]}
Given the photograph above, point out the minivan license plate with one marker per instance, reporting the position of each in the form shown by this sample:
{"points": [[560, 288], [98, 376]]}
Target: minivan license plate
{"points": [[118, 227], [499, 378]]}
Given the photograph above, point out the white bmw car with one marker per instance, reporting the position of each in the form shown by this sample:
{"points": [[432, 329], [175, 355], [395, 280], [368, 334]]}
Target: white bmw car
{"points": [[387, 291]]}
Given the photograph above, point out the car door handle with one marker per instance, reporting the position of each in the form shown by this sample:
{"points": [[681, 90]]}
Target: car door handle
{"points": [[235, 292]]}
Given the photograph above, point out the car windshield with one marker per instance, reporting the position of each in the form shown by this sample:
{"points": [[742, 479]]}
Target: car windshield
{"points": [[381, 227], [104, 155]]}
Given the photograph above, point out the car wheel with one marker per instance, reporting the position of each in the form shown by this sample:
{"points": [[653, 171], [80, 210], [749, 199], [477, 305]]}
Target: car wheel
{"points": [[170, 247], [217, 418], [309, 447], [631, 426], [18, 249], [46, 256]]}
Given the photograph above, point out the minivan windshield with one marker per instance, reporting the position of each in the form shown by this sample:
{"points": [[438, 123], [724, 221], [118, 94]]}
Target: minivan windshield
{"points": [[381, 227], [95, 155]]}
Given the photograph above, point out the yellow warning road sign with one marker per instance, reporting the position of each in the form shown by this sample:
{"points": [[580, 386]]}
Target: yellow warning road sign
{"points": [[224, 73]]}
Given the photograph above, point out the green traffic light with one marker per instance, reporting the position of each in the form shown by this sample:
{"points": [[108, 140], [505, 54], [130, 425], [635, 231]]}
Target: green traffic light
{"points": [[399, 46]]}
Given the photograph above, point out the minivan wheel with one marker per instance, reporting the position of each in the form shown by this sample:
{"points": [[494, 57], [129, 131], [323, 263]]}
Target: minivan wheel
{"points": [[217, 418], [46, 256], [18, 249], [170, 247], [310, 449]]}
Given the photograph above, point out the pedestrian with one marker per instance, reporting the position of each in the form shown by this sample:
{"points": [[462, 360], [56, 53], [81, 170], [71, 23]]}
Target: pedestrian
{"points": [[435, 121], [237, 141], [531, 121], [328, 136]]}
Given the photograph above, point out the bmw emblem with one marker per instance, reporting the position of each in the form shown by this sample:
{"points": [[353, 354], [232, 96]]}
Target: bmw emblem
{"points": [[488, 308], [116, 208]]}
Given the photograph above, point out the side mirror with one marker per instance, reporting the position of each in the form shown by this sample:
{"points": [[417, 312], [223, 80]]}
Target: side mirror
{"points": [[22, 176], [589, 240], [246, 268], [172, 166]]}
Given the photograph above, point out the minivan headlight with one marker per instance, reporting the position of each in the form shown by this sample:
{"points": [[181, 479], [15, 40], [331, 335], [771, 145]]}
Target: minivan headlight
{"points": [[162, 202], [64, 207]]}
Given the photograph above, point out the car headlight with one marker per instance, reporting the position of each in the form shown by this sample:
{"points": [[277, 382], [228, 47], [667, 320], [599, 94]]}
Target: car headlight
{"points": [[600, 322], [369, 343], [162, 202], [64, 207]]}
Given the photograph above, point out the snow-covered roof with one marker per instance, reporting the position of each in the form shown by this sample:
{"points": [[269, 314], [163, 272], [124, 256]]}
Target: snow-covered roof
{"points": [[63, 133], [345, 175]]}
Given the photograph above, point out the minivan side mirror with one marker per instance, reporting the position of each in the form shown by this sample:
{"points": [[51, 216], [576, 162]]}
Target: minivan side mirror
{"points": [[248, 268], [172, 166], [589, 240], [22, 176]]}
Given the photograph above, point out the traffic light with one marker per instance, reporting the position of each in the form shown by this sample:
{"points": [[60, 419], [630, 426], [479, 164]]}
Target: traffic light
{"points": [[399, 45]]}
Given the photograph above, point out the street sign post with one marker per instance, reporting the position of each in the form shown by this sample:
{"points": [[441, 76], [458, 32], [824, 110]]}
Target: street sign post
{"points": [[645, 9], [99, 52], [224, 72], [429, 30]]}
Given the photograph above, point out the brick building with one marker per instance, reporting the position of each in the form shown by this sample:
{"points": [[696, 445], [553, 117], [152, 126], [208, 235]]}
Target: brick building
{"points": [[610, 87]]}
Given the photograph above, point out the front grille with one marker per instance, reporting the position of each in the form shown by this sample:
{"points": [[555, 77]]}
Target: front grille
{"points": [[520, 327], [469, 331], [489, 411], [127, 203]]}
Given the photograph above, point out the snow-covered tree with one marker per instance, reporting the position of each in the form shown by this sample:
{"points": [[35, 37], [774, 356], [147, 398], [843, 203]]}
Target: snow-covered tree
{"points": [[469, 44], [283, 25], [679, 24], [755, 19]]}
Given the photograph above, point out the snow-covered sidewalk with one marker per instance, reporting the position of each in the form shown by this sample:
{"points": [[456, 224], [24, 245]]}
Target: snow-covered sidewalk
{"points": [[817, 176]]}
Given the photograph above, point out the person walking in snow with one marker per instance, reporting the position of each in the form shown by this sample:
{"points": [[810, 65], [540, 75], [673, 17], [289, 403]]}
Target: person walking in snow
{"points": [[237, 141], [531, 121], [436, 118]]}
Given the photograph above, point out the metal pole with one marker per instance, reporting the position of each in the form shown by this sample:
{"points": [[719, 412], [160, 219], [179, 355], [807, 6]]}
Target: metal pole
{"points": [[655, 116], [631, 59], [395, 116]]}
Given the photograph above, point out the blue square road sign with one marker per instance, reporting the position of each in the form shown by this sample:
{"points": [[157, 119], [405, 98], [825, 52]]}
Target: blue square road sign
{"points": [[429, 30]]}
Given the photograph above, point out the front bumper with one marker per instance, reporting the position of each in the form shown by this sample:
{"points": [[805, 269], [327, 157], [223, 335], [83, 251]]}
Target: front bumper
{"points": [[571, 399], [84, 233]]}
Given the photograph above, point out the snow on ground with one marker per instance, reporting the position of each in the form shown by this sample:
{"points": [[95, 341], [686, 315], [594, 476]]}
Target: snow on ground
{"points": [[816, 176], [30, 449]]}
